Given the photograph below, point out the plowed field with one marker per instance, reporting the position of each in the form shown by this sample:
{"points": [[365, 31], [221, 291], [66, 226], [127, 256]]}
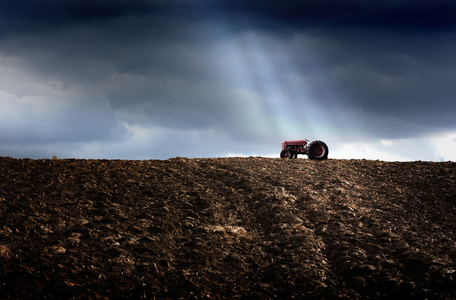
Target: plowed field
{"points": [[227, 228]]}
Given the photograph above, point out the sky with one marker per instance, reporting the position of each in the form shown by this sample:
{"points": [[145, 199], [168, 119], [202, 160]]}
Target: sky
{"points": [[155, 79]]}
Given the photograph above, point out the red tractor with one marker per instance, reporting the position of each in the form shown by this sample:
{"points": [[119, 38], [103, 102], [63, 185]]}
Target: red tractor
{"points": [[315, 150]]}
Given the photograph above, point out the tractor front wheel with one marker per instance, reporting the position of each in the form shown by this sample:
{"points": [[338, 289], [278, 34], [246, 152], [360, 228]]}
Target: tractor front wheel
{"points": [[286, 154], [317, 150]]}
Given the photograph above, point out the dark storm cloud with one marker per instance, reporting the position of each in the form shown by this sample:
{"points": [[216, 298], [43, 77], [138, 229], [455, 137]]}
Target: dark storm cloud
{"points": [[390, 75], [238, 70], [421, 14], [29, 15]]}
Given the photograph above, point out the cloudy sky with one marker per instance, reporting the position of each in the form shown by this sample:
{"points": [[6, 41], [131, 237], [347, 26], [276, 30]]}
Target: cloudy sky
{"points": [[154, 79]]}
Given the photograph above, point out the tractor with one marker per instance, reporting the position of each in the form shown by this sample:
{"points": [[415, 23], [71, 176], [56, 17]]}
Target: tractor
{"points": [[314, 150]]}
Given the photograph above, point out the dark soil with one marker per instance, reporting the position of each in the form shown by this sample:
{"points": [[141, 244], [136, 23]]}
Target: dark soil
{"points": [[227, 228]]}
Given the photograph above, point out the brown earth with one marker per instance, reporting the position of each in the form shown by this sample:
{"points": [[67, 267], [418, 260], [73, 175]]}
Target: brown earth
{"points": [[227, 228]]}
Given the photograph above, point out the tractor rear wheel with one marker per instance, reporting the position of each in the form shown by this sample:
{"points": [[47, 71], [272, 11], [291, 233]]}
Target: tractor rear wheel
{"points": [[317, 150], [286, 154]]}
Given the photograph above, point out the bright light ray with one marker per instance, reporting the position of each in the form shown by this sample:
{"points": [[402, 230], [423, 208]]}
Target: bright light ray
{"points": [[263, 66], [263, 74]]}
